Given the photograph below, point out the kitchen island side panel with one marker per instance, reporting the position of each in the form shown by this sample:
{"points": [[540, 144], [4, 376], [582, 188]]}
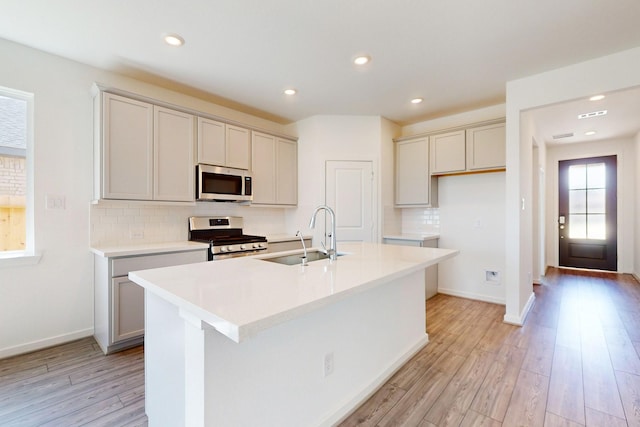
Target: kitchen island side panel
{"points": [[277, 376]]}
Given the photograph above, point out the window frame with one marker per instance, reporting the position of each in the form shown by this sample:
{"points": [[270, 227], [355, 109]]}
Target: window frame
{"points": [[29, 255]]}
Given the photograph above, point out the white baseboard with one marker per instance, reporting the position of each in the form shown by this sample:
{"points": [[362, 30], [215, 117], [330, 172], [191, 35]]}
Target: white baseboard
{"points": [[519, 320], [469, 295], [47, 342], [353, 404]]}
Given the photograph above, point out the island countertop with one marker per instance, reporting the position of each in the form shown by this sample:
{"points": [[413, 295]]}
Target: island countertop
{"points": [[241, 296]]}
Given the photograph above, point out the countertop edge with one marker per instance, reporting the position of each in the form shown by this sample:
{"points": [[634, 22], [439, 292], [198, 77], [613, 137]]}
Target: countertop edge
{"points": [[147, 249]]}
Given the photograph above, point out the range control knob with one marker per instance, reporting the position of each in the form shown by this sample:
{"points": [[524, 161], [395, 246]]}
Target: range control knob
{"points": [[223, 249], [243, 247]]}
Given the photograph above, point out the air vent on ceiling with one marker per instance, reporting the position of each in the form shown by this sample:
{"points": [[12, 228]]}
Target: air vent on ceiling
{"points": [[592, 114], [563, 135]]}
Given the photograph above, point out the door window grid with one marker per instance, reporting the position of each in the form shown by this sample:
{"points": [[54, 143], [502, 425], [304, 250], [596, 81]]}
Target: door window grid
{"points": [[587, 207]]}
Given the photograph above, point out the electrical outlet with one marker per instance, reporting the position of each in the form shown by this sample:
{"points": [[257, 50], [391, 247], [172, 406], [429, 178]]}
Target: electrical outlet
{"points": [[55, 202], [137, 234], [492, 277], [328, 364]]}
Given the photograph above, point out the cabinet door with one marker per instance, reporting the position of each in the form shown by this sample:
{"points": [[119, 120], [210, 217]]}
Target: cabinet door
{"points": [[173, 155], [448, 152], [412, 172], [486, 147], [238, 147], [286, 172], [128, 309], [211, 142], [263, 168], [127, 148]]}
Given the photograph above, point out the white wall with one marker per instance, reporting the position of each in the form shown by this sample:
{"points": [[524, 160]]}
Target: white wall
{"points": [[625, 151], [609, 73], [52, 301], [472, 221]]}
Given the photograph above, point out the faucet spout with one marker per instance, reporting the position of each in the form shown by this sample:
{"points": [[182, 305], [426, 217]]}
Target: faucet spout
{"points": [[333, 250], [304, 248]]}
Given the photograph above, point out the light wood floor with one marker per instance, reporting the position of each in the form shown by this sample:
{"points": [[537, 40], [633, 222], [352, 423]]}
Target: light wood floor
{"points": [[574, 362]]}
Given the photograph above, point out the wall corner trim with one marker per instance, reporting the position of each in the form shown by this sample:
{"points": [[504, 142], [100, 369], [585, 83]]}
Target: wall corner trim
{"points": [[519, 320]]}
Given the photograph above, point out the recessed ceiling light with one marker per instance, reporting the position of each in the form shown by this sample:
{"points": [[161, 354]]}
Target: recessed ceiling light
{"points": [[416, 100], [596, 98], [589, 133], [592, 114], [290, 91], [361, 60], [173, 40]]}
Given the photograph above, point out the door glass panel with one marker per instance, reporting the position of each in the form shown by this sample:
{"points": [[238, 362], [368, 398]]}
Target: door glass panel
{"points": [[577, 201], [596, 227], [596, 177], [577, 177], [596, 202], [587, 201], [577, 226]]}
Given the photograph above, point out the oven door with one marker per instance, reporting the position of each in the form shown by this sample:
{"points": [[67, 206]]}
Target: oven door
{"points": [[214, 183]]}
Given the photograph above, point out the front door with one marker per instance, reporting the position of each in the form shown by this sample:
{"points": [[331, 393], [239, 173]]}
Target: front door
{"points": [[588, 213], [349, 191]]}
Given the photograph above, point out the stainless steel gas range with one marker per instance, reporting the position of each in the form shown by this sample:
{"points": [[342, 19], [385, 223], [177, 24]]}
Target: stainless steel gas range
{"points": [[225, 237]]}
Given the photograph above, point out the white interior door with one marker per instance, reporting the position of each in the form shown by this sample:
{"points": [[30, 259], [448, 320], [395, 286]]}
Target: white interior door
{"points": [[349, 192]]}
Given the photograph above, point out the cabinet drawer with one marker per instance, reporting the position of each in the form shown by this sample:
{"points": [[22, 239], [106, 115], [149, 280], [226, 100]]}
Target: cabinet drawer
{"points": [[122, 266]]}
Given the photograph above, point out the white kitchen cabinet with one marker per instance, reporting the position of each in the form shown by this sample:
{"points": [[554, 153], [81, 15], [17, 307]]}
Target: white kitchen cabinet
{"points": [[173, 155], [222, 144], [475, 149], [274, 168], [414, 185], [145, 152], [431, 272], [126, 148], [486, 147], [448, 152], [119, 303]]}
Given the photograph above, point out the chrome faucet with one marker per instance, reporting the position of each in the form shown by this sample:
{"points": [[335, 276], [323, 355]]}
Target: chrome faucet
{"points": [[333, 250]]}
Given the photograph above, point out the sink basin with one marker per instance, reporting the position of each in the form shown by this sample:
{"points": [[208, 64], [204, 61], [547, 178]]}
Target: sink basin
{"points": [[293, 259]]}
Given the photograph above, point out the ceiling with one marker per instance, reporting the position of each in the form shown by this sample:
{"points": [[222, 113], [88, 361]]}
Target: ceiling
{"points": [[455, 54]]}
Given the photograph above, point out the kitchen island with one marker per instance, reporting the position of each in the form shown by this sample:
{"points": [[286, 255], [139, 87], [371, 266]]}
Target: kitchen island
{"points": [[250, 342]]}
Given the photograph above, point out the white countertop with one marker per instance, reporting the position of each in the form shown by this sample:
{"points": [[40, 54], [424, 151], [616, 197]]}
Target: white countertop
{"points": [[241, 296], [147, 248], [411, 236]]}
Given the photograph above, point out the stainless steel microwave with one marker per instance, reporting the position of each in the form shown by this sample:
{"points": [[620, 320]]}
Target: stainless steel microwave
{"points": [[220, 184]]}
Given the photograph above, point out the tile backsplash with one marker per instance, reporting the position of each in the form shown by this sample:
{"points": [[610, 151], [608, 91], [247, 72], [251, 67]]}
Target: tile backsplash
{"points": [[124, 223], [420, 220]]}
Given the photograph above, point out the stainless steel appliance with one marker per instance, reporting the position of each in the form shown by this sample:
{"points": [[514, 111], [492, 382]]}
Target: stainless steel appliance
{"points": [[220, 184], [225, 237]]}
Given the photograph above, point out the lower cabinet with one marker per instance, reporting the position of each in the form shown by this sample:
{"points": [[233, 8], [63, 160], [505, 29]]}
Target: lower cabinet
{"points": [[119, 302], [431, 273]]}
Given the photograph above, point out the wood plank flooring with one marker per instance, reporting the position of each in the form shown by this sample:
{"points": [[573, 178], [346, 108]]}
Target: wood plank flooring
{"points": [[574, 363]]}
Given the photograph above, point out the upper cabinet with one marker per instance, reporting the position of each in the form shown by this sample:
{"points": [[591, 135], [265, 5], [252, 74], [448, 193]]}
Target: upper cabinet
{"points": [[274, 169], [414, 184], [145, 151], [222, 144], [448, 152], [486, 147], [475, 149]]}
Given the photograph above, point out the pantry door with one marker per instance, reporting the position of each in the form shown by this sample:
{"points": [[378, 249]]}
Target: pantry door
{"points": [[349, 192], [588, 213]]}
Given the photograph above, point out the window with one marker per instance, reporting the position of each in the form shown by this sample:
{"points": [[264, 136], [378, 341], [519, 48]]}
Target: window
{"points": [[15, 137], [587, 207]]}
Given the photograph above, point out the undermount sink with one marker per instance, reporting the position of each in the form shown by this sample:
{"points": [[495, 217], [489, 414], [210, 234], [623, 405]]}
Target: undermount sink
{"points": [[293, 259]]}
